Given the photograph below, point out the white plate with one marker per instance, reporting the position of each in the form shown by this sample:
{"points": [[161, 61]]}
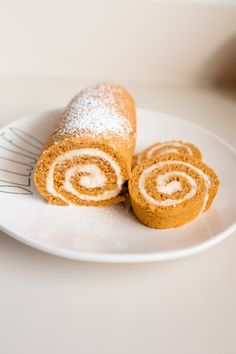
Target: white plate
{"points": [[110, 234]]}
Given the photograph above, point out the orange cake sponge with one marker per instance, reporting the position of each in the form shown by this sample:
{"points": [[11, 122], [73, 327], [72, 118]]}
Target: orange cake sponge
{"points": [[171, 190], [88, 156], [167, 147]]}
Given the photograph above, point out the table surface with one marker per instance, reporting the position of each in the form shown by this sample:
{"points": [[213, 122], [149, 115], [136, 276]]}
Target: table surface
{"points": [[53, 305]]}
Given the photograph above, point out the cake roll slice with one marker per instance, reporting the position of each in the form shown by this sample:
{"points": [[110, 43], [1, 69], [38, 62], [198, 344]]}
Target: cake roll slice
{"points": [[88, 156], [167, 147], [171, 190]]}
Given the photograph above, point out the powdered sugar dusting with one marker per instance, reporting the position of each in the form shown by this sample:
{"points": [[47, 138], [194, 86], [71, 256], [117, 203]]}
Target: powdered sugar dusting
{"points": [[96, 112]]}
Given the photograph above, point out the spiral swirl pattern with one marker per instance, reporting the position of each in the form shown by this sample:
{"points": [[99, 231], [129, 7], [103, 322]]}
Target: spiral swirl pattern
{"points": [[89, 176], [176, 147], [87, 157], [171, 190], [164, 185]]}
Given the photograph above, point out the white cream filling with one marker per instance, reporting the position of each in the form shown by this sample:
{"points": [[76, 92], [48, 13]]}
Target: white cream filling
{"points": [[95, 178], [169, 150], [166, 187], [162, 184]]}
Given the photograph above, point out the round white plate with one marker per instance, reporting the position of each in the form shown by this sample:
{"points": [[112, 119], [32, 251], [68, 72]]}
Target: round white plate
{"points": [[110, 234]]}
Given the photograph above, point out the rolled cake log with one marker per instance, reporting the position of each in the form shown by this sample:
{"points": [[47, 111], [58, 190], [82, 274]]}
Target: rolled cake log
{"points": [[88, 156], [167, 147], [171, 190]]}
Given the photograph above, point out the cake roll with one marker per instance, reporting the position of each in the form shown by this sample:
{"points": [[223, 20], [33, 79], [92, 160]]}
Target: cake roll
{"points": [[88, 156], [167, 147], [171, 190]]}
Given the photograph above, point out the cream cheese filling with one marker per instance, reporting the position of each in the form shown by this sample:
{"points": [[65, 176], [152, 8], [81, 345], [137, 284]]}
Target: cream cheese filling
{"points": [[164, 187], [94, 177]]}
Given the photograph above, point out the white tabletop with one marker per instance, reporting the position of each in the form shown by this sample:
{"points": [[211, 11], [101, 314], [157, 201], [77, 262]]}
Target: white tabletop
{"points": [[53, 305]]}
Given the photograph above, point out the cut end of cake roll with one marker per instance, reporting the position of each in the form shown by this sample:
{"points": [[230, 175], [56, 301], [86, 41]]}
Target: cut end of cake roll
{"points": [[88, 156], [167, 147], [171, 190], [81, 173]]}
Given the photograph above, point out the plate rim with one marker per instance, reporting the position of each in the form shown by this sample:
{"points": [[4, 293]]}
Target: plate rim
{"points": [[126, 257]]}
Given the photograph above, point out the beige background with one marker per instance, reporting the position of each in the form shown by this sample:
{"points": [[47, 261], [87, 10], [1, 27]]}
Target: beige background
{"points": [[173, 57], [136, 40]]}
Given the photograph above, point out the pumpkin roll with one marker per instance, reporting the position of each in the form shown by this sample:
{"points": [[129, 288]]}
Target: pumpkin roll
{"points": [[167, 147], [88, 156], [171, 190]]}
